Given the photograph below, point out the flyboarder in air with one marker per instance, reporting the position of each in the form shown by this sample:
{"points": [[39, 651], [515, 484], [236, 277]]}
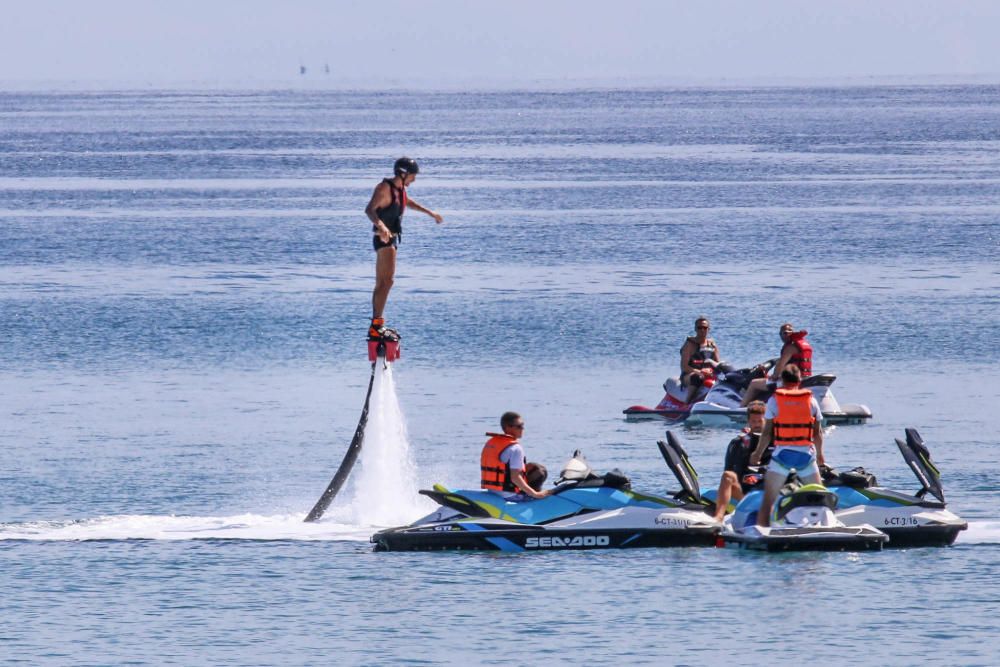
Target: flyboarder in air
{"points": [[385, 210]]}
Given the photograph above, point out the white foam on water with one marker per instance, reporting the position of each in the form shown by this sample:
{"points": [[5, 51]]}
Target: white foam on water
{"points": [[383, 493], [385, 481], [980, 532], [152, 527]]}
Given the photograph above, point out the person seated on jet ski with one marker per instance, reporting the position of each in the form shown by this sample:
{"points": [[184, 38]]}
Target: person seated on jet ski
{"points": [[793, 421], [737, 478], [699, 357], [503, 466], [795, 349]]}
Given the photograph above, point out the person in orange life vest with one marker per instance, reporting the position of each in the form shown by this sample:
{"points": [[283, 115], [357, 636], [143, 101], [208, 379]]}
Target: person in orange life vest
{"points": [[385, 210], [735, 482], [699, 357], [795, 349], [793, 421], [502, 463]]}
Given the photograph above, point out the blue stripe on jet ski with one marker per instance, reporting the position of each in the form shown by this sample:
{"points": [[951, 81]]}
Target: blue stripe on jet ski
{"points": [[503, 544], [472, 527], [637, 535]]}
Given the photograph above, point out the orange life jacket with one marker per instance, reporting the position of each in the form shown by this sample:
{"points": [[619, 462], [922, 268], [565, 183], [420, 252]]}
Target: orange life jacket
{"points": [[803, 355], [494, 473], [793, 425]]}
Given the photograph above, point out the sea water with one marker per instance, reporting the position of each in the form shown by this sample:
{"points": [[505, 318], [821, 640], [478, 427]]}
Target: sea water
{"points": [[186, 278]]}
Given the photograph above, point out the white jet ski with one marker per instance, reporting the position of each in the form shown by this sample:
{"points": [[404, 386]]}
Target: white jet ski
{"points": [[803, 517], [718, 404], [910, 520], [721, 406]]}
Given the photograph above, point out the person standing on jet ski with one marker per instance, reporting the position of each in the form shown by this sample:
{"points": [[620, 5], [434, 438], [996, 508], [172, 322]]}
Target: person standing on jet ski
{"points": [[795, 349], [502, 463], [385, 210], [699, 357], [737, 478], [793, 421]]}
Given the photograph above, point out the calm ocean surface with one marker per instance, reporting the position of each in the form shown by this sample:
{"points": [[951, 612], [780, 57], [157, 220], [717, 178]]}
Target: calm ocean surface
{"points": [[184, 285]]}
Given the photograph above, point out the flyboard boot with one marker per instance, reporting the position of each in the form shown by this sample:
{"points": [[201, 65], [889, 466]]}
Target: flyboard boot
{"points": [[382, 341]]}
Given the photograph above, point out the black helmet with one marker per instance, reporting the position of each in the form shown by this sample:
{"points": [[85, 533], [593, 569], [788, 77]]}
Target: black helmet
{"points": [[404, 166]]}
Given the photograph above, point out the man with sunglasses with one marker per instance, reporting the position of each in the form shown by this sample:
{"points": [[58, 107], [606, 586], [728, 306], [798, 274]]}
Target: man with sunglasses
{"points": [[699, 357], [503, 466]]}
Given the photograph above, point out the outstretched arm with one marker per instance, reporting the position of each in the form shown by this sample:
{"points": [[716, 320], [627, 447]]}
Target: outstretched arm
{"points": [[786, 356], [417, 207], [818, 441], [517, 476]]}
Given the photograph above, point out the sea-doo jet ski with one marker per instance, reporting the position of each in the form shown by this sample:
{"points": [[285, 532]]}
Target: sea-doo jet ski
{"points": [[803, 517], [585, 511], [719, 405], [673, 407], [910, 520]]}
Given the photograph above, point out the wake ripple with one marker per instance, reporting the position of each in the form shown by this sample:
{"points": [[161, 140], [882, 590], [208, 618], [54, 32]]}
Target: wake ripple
{"points": [[152, 527]]}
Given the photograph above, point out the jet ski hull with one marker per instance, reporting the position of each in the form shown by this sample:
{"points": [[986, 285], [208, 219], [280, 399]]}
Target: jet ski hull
{"points": [[638, 413], [482, 537], [824, 538], [718, 416], [630, 527], [913, 525]]}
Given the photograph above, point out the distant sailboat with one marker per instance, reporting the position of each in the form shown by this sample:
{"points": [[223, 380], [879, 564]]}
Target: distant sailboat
{"points": [[302, 69], [326, 68]]}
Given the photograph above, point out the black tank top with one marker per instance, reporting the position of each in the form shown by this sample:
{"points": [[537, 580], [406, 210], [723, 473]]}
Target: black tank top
{"points": [[392, 215]]}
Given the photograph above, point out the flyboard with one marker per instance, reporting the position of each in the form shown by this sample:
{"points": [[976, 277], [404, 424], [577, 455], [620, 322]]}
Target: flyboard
{"points": [[386, 349]]}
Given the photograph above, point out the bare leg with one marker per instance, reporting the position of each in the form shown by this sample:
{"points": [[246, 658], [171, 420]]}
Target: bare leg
{"points": [[694, 386], [729, 488], [755, 389], [385, 271], [772, 484]]}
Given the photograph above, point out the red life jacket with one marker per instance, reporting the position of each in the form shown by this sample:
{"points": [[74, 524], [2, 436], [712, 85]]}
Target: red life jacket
{"points": [[494, 473], [803, 352], [793, 425]]}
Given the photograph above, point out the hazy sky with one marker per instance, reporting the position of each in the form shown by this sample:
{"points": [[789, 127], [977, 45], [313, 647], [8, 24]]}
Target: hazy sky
{"points": [[445, 42]]}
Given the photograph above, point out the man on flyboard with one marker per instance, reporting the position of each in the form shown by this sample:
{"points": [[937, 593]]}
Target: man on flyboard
{"points": [[385, 210]]}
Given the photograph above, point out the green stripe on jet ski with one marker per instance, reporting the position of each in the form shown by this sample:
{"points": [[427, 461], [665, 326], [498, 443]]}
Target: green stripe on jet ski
{"points": [[894, 499], [653, 499]]}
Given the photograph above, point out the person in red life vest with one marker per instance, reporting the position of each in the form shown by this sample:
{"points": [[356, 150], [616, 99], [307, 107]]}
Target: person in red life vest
{"points": [[385, 210], [699, 357], [502, 464], [737, 478], [793, 421], [795, 349]]}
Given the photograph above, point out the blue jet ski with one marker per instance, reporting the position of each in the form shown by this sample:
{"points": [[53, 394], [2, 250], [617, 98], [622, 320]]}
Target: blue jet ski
{"points": [[586, 511], [910, 520], [803, 517]]}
